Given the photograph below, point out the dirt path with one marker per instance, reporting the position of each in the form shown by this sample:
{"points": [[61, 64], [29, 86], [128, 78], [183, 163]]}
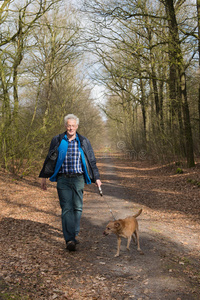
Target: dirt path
{"points": [[35, 264]]}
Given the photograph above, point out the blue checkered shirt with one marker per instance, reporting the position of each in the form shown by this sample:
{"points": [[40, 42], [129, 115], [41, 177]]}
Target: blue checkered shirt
{"points": [[72, 162]]}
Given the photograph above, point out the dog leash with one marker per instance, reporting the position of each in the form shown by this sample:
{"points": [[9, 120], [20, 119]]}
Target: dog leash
{"points": [[101, 194]]}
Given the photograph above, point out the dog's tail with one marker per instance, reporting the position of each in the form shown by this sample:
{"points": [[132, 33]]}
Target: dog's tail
{"points": [[139, 212]]}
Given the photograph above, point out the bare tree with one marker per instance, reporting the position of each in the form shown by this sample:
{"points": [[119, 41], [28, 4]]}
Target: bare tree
{"points": [[18, 74], [146, 44], [198, 17]]}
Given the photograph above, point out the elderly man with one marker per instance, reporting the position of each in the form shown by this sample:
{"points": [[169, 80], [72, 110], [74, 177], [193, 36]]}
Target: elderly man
{"points": [[75, 166]]}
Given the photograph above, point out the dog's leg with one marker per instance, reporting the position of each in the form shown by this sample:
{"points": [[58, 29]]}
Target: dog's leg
{"points": [[128, 243], [118, 246], [138, 242], [137, 238], [134, 241]]}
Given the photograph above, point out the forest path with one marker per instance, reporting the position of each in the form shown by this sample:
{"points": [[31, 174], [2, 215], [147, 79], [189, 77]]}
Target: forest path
{"points": [[36, 265]]}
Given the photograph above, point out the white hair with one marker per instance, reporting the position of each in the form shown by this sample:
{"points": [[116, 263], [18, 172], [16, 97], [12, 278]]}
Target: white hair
{"points": [[71, 117]]}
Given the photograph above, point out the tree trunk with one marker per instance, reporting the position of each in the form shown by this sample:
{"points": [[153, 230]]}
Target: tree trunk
{"points": [[153, 71], [177, 66], [17, 61], [198, 15], [186, 114], [143, 110]]}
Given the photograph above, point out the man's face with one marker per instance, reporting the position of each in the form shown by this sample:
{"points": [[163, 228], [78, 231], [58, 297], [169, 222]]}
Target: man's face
{"points": [[71, 127]]}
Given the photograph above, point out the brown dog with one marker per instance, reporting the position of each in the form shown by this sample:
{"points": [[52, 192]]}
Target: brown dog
{"points": [[125, 228]]}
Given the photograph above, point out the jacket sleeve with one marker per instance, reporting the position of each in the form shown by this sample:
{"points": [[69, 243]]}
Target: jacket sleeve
{"points": [[90, 160], [53, 144]]}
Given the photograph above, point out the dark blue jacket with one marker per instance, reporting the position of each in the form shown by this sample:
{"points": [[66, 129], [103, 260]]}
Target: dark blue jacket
{"points": [[88, 152]]}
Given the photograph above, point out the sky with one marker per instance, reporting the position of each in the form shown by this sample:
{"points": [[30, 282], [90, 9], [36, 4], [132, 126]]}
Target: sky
{"points": [[98, 90]]}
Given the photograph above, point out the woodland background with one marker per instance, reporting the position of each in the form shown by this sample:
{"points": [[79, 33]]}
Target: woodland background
{"points": [[145, 54]]}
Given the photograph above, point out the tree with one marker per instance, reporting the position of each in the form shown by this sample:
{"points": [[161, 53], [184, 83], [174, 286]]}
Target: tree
{"points": [[145, 46], [178, 75], [198, 18], [16, 24], [28, 81]]}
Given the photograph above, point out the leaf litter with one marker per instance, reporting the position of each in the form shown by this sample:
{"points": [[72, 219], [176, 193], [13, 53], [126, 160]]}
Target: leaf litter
{"points": [[36, 265]]}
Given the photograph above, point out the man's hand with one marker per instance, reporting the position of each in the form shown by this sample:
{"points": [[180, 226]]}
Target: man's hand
{"points": [[98, 183], [44, 184]]}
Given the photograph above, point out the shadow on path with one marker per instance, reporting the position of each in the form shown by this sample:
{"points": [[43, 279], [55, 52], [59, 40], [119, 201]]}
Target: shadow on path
{"points": [[36, 265]]}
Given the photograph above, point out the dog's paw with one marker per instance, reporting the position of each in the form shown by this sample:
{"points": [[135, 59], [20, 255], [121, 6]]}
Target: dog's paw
{"points": [[141, 252], [116, 255]]}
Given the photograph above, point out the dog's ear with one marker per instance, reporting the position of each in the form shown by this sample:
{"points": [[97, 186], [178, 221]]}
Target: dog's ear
{"points": [[117, 224]]}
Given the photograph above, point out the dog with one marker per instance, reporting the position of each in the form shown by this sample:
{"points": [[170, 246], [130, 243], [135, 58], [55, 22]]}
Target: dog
{"points": [[125, 228]]}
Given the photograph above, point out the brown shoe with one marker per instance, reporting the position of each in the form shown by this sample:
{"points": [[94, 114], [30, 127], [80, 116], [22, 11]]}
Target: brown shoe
{"points": [[71, 246]]}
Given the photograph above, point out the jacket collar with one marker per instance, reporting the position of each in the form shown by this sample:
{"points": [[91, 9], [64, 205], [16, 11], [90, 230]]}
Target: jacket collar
{"points": [[81, 137]]}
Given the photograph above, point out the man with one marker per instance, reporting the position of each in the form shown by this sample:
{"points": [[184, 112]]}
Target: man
{"points": [[75, 166]]}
